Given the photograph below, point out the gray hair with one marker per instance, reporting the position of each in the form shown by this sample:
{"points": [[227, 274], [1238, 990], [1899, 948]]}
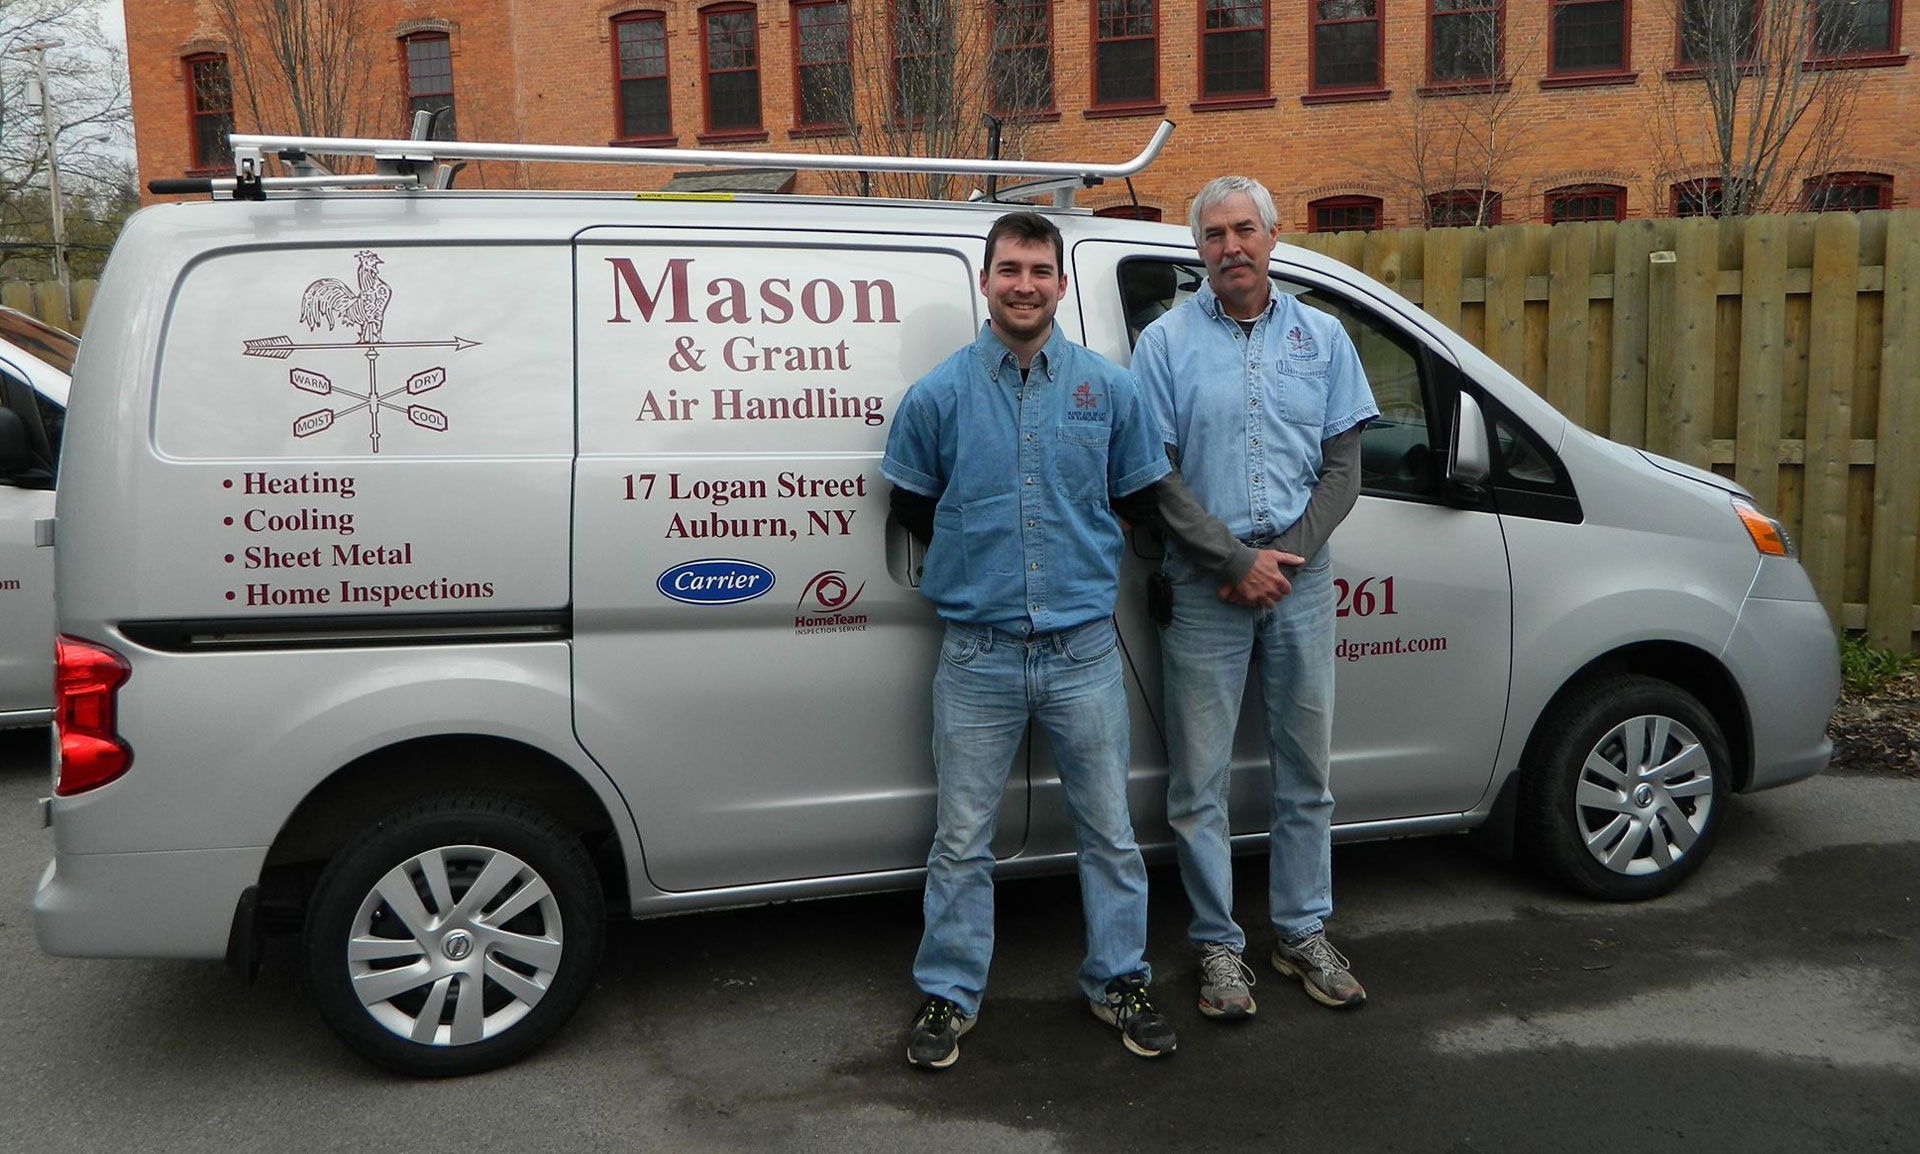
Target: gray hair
{"points": [[1220, 188]]}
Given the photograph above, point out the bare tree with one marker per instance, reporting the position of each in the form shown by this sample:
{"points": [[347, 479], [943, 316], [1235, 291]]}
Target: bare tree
{"points": [[1745, 120], [925, 78], [305, 66], [1465, 132], [85, 98]]}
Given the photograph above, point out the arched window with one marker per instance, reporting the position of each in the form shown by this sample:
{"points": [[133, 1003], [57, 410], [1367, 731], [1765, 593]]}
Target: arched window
{"points": [[1344, 214], [209, 111], [730, 57], [644, 106], [1576, 202], [428, 57], [1849, 192], [1463, 208], [823, 68]]}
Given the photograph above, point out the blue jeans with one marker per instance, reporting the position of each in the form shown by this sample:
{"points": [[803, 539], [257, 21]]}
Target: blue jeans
{"points": [[1205, 651], [989, 685]]}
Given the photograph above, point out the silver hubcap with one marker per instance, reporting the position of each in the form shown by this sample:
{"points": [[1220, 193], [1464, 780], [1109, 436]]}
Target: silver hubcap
{"points": [[455, 945], [1644, 796]]}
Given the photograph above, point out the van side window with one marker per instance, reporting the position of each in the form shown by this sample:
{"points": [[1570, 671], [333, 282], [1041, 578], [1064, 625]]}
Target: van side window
{"points": [[1400, 452], [42, 435]]}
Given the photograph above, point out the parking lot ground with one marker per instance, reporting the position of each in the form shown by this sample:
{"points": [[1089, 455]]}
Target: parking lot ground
{"points": [[1771, 1005]]}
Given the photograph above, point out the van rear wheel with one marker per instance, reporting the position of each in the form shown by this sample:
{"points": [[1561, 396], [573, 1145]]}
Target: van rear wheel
{"points": [[1626, 786], [455, 936]]}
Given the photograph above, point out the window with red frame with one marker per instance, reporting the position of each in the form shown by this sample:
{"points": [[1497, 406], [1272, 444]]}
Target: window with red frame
{"points": [[1020, 73], [1344, 214], [1706, 196], [823, 76], [1717, 30], [1129, 212], [1589, 37], [1463, 208], [1345, 45], [732, 59], [1126, 53], [1578, 202], [922, 48], [1849, 192], [210, 108], [1233, 49], [1464, 41], [640, 61], [1855, 27], [430, 79]]}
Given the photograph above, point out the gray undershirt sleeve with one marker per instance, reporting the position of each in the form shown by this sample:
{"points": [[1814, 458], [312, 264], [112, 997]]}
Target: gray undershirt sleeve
{"points": [[1333, 497], [1169, 508]]}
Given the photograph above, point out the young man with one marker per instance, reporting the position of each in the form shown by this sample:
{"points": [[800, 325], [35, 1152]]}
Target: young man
{"points": [[1004, 458], [1261, 400]]}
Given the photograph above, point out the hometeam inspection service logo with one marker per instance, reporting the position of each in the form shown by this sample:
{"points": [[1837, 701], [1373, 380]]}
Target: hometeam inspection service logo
{"points": [[824, 605], [361, 306]]}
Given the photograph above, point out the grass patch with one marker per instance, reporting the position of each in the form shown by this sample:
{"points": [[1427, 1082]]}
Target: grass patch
{"points": [[1866, 669]]}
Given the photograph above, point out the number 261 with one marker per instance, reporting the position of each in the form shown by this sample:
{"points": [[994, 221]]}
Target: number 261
{"points": [[1360, 600]]}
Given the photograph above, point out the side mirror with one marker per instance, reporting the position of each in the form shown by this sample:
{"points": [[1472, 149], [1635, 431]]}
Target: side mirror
{"points": [[1469, 461], [16, 453]]}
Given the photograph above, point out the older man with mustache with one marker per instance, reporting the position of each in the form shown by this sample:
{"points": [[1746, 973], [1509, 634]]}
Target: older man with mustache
{"points": [[1261, 400]]}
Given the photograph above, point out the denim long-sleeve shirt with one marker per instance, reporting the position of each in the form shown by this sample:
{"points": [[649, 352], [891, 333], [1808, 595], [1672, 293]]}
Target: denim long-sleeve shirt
{"points": [[1246, 412], [1022, 472]]}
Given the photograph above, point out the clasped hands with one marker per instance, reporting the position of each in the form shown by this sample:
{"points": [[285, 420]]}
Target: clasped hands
{"points": [[1266, 583]]}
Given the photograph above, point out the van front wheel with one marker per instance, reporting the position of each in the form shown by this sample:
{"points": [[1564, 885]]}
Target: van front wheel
{"points": [[455, 936], [1627, 783]]}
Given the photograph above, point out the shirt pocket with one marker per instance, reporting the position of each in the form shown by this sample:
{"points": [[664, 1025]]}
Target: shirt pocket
{"points": [[1303, 391], [1080, 460], [990, 536]]}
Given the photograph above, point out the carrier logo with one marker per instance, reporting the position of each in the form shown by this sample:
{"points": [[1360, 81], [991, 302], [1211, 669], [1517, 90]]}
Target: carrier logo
{"points": [[363, 307], [824, 604], [715, 581]]}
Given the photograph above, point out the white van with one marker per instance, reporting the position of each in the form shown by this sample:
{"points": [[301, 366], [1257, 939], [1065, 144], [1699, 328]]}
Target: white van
{"points": [[35, 360], [442, 571]]}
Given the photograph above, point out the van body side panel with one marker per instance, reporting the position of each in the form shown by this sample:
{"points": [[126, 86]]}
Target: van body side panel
{"points": [[748, 667]]}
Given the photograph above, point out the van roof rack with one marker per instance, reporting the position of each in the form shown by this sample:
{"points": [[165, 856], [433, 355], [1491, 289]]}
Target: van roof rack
{"points": [[421, 163]]}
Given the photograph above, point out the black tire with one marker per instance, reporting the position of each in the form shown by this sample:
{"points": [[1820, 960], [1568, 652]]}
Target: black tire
{"points": [[526, 975], [1658, 827]]}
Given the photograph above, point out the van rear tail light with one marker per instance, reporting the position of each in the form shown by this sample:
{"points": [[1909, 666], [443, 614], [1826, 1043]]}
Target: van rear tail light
{"points": [[87, 680]]}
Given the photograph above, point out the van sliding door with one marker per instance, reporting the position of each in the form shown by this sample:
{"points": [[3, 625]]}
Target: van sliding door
{"points": [[748, 667]]}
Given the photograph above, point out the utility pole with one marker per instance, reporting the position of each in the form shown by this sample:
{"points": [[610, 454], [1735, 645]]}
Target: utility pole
{"points": [[38, 53]]}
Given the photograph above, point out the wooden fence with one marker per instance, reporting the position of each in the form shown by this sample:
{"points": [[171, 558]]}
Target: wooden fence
{"points": [[1781, 351], [43, 300]]}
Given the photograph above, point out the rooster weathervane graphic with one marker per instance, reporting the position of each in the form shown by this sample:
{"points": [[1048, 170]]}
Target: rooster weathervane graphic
{"points": [[334, 303]]}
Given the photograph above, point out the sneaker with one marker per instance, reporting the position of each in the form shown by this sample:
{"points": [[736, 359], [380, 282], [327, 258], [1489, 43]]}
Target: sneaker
{"points": [[1142, 1029], [1225, 983], [934, 1042], [1321, 969]]}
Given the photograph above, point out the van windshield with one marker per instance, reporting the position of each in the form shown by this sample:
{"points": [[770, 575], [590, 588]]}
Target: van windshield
{"points": [[51, 345]]}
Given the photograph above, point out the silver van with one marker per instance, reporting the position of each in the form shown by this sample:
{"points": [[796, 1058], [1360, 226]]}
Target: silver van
{"points": [[441, 572]]}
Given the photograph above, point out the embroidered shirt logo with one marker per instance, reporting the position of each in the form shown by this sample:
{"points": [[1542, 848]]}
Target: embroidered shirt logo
{"points": [[1298, 342], [1086, 405]]}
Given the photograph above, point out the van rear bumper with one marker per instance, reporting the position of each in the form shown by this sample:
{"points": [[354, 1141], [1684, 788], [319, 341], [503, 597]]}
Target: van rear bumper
{"points": [[175, 904]]}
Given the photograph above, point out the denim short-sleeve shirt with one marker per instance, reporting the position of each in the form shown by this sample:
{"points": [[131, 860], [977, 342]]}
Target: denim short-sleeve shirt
{"points": [[1246, 412], [1022, 471]]}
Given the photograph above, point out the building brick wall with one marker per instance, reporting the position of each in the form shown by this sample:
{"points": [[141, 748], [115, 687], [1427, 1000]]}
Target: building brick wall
{"points": [[544, 72]]}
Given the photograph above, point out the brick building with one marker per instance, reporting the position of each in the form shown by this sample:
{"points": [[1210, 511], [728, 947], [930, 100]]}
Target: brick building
{"points": [[1353, 111]]}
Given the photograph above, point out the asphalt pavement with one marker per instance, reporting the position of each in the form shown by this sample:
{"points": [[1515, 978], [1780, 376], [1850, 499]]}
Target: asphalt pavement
{"points": [[1771, 1005]]}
